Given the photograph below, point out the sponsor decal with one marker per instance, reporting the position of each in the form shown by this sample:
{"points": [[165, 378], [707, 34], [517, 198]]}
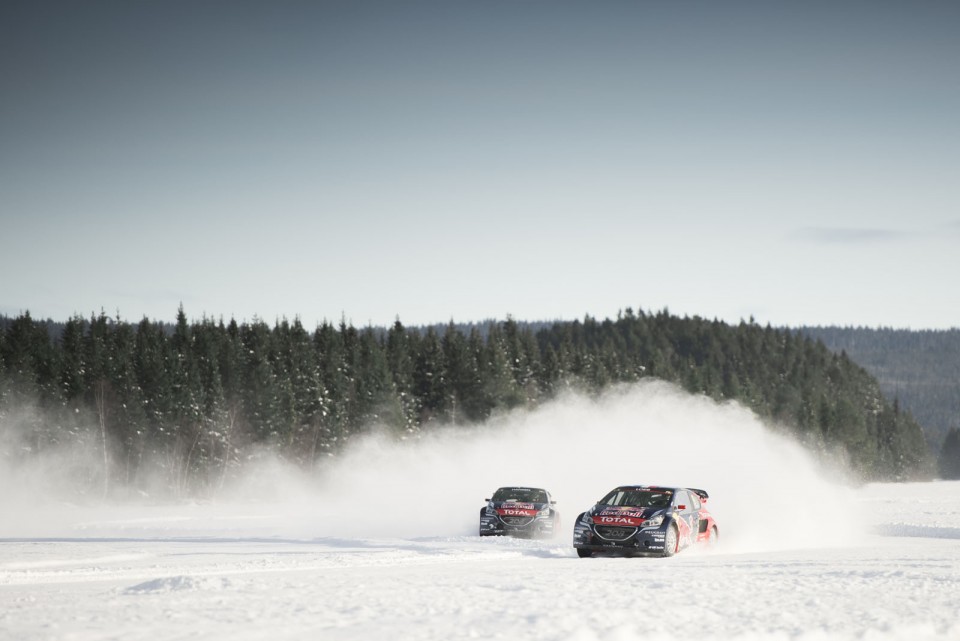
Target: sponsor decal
{"points": [[509, 511], [629, 516], [617, 520], [635, 512]]}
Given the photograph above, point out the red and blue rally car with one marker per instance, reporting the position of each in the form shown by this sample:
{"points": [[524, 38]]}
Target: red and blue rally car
{"points": [[648, 520], [520, 511]]}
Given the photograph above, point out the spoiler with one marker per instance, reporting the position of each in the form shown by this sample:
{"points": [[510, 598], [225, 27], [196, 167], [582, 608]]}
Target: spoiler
{"points": [[701, 493]]}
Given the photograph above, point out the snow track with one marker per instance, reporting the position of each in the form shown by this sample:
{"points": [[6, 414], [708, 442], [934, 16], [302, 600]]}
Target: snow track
{"points": [[900, 582], [380, 543]]}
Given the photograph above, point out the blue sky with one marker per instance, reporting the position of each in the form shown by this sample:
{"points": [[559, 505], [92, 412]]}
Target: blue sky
{"points": [[797, 162]]}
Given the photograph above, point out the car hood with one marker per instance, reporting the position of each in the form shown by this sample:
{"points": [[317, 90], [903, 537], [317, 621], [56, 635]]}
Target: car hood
{"points": [[622, 515], [515, 508]]}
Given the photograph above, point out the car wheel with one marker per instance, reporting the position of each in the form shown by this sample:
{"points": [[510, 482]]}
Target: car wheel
{"points": [[714, 537], [584, 554], [670, 541]]}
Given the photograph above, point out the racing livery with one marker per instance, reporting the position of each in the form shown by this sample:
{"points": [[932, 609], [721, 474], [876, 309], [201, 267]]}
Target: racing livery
{"points": [[645, 520], [520, 511]]}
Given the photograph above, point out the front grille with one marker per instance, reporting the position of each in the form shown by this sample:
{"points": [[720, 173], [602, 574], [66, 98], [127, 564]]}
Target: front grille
{"points": [[517, 521], [613, 533]]}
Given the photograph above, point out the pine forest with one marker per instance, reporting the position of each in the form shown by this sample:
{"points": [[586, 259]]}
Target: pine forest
{"points": [[189, 401]]}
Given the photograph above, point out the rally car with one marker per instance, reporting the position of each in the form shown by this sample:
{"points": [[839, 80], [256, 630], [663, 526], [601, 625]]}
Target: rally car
{"points": [[519, 511], [645, 520]]}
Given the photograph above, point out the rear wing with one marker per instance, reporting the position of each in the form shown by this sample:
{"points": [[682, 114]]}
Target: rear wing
{"points": [[701, 493]]}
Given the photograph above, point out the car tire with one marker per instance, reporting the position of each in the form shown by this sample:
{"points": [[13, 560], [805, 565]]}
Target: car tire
{"points": [[584, 554], [671, 540], [714, 537]]}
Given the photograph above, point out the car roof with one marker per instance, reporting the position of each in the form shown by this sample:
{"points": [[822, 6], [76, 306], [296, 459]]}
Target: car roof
{"points": [[649, 487], [521, 487], [663, 488], [653, 488]]}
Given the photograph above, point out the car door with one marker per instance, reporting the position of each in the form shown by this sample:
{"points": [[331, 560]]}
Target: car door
{"points": [[688, 516], [696, 506]]}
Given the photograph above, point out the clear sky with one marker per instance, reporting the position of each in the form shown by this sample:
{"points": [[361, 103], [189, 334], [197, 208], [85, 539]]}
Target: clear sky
{"points": [[798, 162]]}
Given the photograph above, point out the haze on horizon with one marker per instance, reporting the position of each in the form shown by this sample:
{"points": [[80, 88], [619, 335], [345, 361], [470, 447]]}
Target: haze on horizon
{"points": [[431, 160]]}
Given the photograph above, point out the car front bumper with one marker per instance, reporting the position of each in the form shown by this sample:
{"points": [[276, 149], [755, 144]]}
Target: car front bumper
{"points": [[539, 527], [619, 540]]}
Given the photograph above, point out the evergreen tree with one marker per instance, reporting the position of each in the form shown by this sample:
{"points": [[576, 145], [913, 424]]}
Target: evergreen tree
{"points": [[332, 428], [260, 390], [286, 367], [303, 371], [30, 380], [498, 369], [461, 372], [30, 360], [209, 452], [399, 353], [153, 366], [949, 459], [234, 427], [4, 380], [429, 378], [129, 418], [353, 405], [186, 403], [550, 371], [476, 399], [378, 398], [73, 365], [100, 388]]}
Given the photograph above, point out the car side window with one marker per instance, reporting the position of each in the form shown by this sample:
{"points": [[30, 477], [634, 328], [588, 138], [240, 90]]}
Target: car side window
{"points": [[695, 501], [683, 498]]}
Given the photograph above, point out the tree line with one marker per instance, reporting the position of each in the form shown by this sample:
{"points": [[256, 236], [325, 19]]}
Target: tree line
{"points": [[193, 398]]}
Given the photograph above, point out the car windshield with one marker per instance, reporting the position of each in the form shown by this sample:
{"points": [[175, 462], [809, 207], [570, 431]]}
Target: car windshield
{"points": [[520, 495], [637, 497]]}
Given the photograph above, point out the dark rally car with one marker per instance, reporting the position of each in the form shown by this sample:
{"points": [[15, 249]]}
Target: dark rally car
{"points": [[519, 511], [645, 520]]}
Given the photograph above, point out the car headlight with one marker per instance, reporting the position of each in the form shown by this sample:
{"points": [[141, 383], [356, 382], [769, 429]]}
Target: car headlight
{"points": [[544, 513], [656, 521], [587, 519]]}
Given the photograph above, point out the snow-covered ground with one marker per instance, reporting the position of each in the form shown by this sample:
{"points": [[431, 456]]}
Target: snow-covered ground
{"points": [[382, 544], [191, 573]]}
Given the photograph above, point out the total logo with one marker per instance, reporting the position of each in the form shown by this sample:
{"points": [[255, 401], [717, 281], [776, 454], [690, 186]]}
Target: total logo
{"points": [[616, 520]]}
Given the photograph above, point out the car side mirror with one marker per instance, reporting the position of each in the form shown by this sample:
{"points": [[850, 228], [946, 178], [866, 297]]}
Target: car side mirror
{"points": [[553, 502], [487, 500]]}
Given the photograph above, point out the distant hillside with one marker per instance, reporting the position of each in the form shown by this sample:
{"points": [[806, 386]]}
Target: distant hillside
{"points": [[919, 368]]}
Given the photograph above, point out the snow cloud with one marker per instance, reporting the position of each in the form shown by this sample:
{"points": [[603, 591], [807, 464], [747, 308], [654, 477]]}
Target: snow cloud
{"points": [[767, 491]]}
